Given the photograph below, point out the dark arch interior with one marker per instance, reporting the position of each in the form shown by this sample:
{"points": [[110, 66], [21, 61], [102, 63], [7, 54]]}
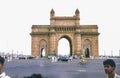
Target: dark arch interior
{"points": [[87, 53]]}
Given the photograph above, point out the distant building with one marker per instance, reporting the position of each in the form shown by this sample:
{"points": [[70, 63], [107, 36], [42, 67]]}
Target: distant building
{"points": [[83, 39]]}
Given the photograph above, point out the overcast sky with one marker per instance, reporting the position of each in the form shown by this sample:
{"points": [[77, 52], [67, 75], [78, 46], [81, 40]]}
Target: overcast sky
{"points": [[17, 17]]}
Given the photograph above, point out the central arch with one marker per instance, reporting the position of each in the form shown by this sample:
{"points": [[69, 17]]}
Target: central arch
{"points": [[64, 46]]}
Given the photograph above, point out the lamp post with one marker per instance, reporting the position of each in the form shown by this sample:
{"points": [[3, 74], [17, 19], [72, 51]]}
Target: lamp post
{"points": [[104, 54], [12, 55], [17, 54], [111, 53], [119, 53], [21, 53]]}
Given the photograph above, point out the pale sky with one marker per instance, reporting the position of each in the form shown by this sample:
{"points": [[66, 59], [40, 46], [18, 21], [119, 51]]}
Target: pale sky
{"points": [[18, 16]]}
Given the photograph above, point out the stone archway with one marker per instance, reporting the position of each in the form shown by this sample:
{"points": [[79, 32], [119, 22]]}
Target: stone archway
{"points": [[66, 46], [47, 36]]}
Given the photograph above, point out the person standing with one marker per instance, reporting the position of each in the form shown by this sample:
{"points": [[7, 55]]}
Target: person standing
{"points": [[2, 74], [109, 67]]}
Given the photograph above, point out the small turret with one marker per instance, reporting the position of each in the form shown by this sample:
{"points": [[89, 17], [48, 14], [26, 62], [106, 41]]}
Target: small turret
{"points": [[77, 12], [52, 13]]}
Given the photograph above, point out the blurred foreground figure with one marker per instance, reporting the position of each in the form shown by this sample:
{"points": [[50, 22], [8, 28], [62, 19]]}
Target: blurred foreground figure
{"points": [[2, 74], [109, 67], [35, 76]]}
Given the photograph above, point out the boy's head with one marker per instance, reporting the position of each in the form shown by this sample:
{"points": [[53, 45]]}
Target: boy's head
{"points": [[109, 62], [109, 66]]}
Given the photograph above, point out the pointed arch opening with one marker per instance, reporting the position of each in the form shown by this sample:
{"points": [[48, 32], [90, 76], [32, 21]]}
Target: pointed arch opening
{"points": [[87, 53], [43, 48], [87, 48], [43, 52], [64, 46]]}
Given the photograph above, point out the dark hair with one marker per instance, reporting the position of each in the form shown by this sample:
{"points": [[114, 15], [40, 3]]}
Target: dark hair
{"points": [[2, 60], [35, 76], [109, 62]]}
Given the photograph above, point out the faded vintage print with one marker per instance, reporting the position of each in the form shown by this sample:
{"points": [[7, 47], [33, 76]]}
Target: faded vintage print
{"points": [[59, 39]]}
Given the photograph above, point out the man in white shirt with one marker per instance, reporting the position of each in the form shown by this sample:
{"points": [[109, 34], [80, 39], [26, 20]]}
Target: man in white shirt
{"points": [[2, 74], [109, 67]]}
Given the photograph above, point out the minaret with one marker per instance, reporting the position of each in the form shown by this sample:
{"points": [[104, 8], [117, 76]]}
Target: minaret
{"points": [[52, 13], [77, 13], [77, 16]]}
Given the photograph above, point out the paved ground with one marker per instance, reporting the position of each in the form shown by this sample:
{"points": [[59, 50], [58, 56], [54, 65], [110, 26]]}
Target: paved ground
{"points": [[70, 69]]}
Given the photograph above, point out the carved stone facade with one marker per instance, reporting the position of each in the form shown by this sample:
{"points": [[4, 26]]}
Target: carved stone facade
{"points": [[83, 39]]}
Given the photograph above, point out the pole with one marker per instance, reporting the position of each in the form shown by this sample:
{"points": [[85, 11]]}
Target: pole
{"points": [[111, 53], [119, 53], [104, 54], [17, 54], [12, 55]]}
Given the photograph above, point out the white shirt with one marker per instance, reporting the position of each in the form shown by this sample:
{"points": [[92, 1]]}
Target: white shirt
{"points": [[116, 76], [3, 75]]}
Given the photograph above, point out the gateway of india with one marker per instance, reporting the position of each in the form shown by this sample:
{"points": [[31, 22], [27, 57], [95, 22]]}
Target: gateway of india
{"points": [[83, 39]]}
